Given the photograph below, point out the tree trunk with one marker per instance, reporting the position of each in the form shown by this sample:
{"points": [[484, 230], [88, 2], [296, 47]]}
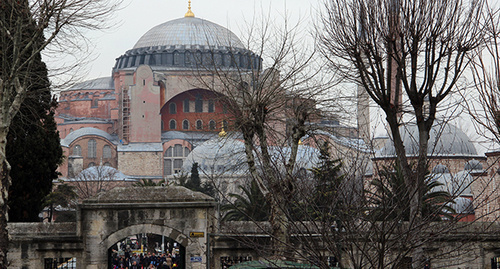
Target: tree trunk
{"points": [[4, 190]]}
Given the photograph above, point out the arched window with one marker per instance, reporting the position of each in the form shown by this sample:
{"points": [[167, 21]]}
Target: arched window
{"points": [[178, 58], [168, 152], [70, 130], [187, 58], [91, 164], [77, 150], [106, 152], [107, 164], [172, 125], [173, 159], [91, 148], [173, 108], [178, 150], [185, 124], [211, 107], [198, 104], [186, 105], [212, 125], [199, 125]]}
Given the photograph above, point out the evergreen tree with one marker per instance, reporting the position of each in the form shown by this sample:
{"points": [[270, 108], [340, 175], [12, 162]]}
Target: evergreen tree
{"points": [[327, 198], [33, 148], [194, 182], [64, 195]]}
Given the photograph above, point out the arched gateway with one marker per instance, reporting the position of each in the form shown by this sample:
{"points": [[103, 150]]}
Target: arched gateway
{"points": [[174, 212]]}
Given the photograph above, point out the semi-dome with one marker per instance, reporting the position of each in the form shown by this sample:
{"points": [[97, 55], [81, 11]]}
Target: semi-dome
{"points": [[226, 156], [187, 43], [218, 156], [445, 140]]}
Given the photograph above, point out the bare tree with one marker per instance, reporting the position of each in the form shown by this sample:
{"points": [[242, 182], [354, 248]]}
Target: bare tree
{"points": [[26, 29], [94, 180], [486, 78], [404, 50], [270, 95]]}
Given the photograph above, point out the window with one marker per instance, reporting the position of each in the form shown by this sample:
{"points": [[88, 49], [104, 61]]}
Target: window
{"points": [[177, 165], [106, 152], [168, 152], [107, 164], [91, 165], [187, 58], [224, 124], [91, 148], [70, 130], [211, 106], [186, 105], [178, 150], [173, 159], [198, 104], [95, 103], [212, 125], [185, 124], [77, 150], [173, 108], [199, 125], [178, 58], [172, 125], [53, 263], [167, 167]]}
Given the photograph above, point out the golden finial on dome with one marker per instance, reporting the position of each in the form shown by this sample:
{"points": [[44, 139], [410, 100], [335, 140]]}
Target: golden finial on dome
{"points": [[189, 13], [222, 132], [300, 142]]}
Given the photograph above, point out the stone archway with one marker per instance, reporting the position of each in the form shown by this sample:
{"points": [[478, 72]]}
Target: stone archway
{"points": [[172, 211]]}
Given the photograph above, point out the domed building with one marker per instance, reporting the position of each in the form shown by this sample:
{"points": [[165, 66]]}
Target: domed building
{"points": [[453, 162], [147, 117]]}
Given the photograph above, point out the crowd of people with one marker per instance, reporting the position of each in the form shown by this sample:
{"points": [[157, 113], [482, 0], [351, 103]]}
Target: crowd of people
{"points": [[132, 260]]}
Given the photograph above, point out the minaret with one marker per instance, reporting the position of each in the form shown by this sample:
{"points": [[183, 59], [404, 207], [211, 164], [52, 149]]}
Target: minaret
{"points": [[189, 13], [363, 113], [363, 99]]}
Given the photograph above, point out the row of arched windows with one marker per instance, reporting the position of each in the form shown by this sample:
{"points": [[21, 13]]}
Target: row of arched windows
{"points": [[92, 150], [212, 125], [198, 106]]}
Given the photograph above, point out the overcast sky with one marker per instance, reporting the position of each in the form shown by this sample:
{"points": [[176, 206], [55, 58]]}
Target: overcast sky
{"points": [[138, 16]]}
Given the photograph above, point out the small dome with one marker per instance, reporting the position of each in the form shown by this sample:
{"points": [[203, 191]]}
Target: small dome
{"points": [[440, 169], [462, 205], [455, 185], [461, 184], [100, 173], [189, 32], [445, 140], [473, 165]]}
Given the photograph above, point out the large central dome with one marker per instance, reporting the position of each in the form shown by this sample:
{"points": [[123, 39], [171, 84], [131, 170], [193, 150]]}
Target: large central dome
{"points": [[189, 32], [189, 43]]}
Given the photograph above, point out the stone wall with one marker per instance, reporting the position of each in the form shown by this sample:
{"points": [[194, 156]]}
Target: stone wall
{"points": [[33, 244], [141, 163]]}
